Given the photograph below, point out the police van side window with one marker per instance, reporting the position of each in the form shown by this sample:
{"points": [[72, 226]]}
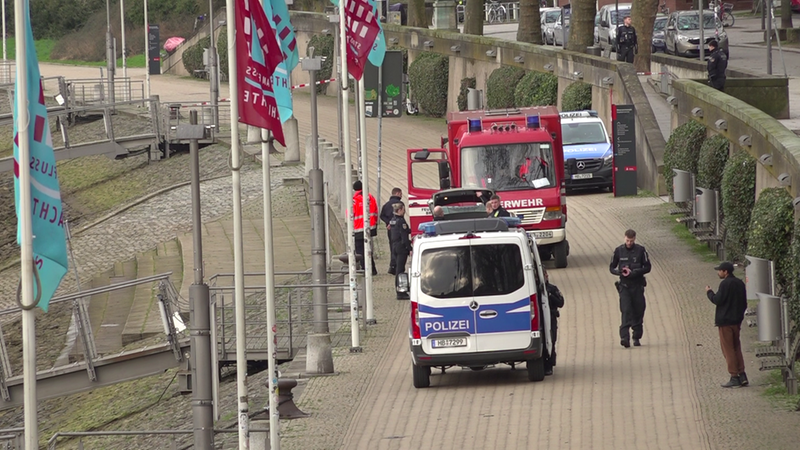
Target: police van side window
{"points": [[480, 270], [496, 269]]}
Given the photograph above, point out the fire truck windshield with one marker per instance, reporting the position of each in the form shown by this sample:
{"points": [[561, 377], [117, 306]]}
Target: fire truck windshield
{"points": [[508, 167]]}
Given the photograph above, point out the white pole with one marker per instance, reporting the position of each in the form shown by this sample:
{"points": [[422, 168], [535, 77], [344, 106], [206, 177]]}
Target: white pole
{"points": [[124, 58], [147, 54], [5, 51], [348, 174], [269, 269], [362, 125], [26, 233], [238, 248]]}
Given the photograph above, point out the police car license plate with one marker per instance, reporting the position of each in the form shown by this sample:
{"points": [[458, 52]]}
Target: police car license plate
{"points": [[581, 176], [445, 343], [542, 234]]}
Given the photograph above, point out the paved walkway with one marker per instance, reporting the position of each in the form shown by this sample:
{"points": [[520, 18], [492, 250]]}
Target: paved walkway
{"points": [[662, 395]]}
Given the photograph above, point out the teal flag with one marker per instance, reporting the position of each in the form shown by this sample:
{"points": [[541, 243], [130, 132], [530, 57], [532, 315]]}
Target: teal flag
{"points": [[49, 241], [278, 15], [379, 47]]}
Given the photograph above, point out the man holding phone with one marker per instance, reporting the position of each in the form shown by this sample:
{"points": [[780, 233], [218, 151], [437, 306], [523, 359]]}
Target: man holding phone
{"points": [[631, 263]]}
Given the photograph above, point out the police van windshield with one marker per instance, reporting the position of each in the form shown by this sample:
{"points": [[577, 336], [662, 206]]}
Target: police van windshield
{"points": [[471, 271], [583, 133], [508, 167]]}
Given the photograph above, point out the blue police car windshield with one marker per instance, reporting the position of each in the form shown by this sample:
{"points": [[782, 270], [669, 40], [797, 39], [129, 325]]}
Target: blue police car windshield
{"points": [[508, 167], [471, 271], [583, 133]]}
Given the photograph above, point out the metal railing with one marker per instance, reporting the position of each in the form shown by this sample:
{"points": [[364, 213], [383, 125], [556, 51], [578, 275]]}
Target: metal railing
{"points": [[215, 119]]}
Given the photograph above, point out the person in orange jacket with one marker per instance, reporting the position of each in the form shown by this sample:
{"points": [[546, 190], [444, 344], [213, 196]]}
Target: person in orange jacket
{"points": [[358, 222]]}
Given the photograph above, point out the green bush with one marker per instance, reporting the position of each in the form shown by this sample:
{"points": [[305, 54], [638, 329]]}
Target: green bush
{"points": [[428, 75], [738, 197], [501, 85], [711, 163], [323, 46], [193, 56], [577, 97], [466, 85], [683, 150], [536, 89], [222, 51], [770, 233], [794, 267]]}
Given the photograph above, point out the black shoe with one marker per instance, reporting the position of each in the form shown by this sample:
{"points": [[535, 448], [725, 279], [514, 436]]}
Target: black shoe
{"points": [[743, 379], [636, 343], [391, 272], [733, 383], [548, 371], [374, 272], [625, 343]]}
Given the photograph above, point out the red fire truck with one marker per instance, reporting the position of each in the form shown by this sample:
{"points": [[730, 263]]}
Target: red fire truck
{"points": [[515, 153]]}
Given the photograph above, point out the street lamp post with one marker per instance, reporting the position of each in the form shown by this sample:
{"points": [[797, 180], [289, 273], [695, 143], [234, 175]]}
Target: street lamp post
{"points": [[110, 56], [146, 53], [124, 58]]}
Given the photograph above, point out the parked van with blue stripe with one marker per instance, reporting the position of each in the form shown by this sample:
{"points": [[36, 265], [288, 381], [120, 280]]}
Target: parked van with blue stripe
{"points": [[588, 154], [477, 298]]}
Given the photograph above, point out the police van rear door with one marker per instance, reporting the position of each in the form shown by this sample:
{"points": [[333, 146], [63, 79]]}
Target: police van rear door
{"points": [[501, 292]]}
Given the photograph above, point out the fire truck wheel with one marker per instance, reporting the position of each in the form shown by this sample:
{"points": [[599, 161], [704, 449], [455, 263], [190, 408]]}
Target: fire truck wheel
{"points": [[545, 255], [560, 253]]}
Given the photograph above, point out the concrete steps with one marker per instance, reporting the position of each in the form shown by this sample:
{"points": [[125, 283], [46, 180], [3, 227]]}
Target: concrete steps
{"points": [[108, 312]]}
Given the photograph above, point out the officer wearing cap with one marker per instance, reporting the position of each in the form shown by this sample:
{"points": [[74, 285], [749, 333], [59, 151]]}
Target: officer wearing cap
{"points": [[631, 263], [731, 302]]}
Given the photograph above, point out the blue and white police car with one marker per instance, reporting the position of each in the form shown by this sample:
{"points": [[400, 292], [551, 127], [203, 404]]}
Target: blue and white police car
{"points": [[477, 298], [588, 153]]}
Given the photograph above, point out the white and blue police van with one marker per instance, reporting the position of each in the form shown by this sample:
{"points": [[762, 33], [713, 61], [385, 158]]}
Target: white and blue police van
{"points": [[477, 297], [588, 153]]}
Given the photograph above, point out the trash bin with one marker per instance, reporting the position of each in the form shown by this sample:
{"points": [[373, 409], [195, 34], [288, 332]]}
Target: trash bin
{"points": [[705, 205], [682, 184], [758, 276], [768, 317]]}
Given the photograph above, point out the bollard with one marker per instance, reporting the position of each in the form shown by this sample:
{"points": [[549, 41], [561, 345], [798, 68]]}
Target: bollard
{"points": [[682, 186], [286, 406], [768, 316]]}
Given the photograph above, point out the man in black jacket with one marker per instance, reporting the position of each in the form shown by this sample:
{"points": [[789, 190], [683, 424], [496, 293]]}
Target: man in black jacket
{"points": [[631, 263], [400, 241], [627, 42], [555, 300], [731, 301], [497, 208], [387, 213], [717, 64]]}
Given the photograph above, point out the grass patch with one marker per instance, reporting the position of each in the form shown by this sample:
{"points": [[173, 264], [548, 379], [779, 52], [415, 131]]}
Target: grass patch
{"points": [[44, 47], [775, 392], [684, 235]]}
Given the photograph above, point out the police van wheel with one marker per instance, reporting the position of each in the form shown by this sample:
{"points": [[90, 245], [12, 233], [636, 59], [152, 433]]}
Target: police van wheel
{"points": [[535, 369], [422, 376], [560, 252]]}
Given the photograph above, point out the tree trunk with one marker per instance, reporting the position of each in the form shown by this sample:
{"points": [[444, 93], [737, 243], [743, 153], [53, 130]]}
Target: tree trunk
{"points": [[416, 14], [643, 16], [473, 17], [581, 25], [786, 14], [530, 24]]}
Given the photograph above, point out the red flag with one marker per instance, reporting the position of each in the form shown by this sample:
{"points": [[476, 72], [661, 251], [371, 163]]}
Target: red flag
{"points": [[257, 55], [362, 30]]}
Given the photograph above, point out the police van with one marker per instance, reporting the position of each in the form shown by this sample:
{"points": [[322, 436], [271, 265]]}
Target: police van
{"points": [[588, 153], [477, 298]]}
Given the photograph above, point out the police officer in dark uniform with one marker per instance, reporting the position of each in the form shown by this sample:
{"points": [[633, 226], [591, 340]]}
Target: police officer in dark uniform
{"points": [[555, 300], [497, 208], [401, 241], [387, 214], [717, 64], [627, 44], [630, 262]]}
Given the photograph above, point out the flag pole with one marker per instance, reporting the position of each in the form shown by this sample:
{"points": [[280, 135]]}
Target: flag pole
{"points": [[362, 126], [348, 173], [238, 248], [26, 232]]}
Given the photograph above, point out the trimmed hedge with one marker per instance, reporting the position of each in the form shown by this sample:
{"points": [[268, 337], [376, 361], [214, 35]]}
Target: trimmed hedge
{"points": [[323, 46], [683, 150], [770, 233], [500, 87], [193, 56], [222, 51], [577, 97], [428, 75], [711, 163], [536, 89], [738, 197], [466, 85], [794, 296]]}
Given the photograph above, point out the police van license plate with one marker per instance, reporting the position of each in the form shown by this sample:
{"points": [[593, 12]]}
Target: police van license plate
{"points": [[542, 234], [581, 176], [446, 343]]}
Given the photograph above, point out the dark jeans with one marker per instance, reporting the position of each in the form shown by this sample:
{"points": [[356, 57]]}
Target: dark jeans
{"points": [[732, 348], [550, 361], [625, 54], [632, 306], [359, 250], [717, 83], [391, 250]]}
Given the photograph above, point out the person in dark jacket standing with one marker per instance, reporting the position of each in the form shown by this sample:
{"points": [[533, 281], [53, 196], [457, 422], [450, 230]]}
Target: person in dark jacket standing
{"points": [[631, 263], [627, 43], [731, 301], [401, 242], [556, 300], [717, 64], [497, 208], [387, 213]]}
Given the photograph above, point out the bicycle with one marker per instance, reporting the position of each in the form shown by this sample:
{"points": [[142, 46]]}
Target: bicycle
{"points": [[663, 9], [724, 14], [497, 12], [411, 107]]}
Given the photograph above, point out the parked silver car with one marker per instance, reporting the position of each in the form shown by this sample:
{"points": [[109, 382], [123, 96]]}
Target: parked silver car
{"points": [[561, 30], [549, 17], [683, 33], [610, 18]]}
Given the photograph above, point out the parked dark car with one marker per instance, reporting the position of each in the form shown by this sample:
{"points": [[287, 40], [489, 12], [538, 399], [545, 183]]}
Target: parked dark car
{"points": [[659, 34]]}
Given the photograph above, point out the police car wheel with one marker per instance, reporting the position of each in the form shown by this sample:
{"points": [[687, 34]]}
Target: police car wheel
{"points": [[422, 376], [535, 369]]}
